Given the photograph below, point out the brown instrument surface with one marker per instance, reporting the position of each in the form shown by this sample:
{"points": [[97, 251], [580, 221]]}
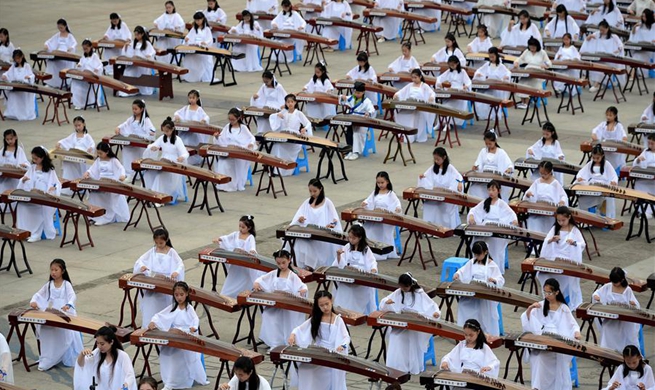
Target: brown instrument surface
{"points": [[161, 67], [361, 120], [317, 97], [363, 3], [611, 191], [12, 172], [555, 43], [621, 312], [639, 46], [252, 40], [383, 89], [400, 220], [641, 128], [441, 195], [577, 15], [356, 276], [258, 15], [181, 169], [41, 198], [304, 36], [581, 216], [323, 234], [495, 9], [126, 140], [417, 4], [57, 55], [508, 232], [443, 67], [638, 172], [73, 155], [245, 154], [7, 386], [105, 81], [548, 75], [154, 32], [195, 343], [613, 146], [33, 88], [558, 344], [502, 179], [403, 77], [499, 85], [558, 165], [338, 22], [287, 301], [193, 49], [472, 97], [479, 56], [623, 34], [433, 108], [215, 26], [108, 44], [582, 271], [394, 13], [295, 138], [468, 379], [586, 65], [480, 290], [325, 358], [263, 112], [11, 233], [117, 187], [197, 127], [302, 7], [59, 319], [612, 59], [164, 285]]}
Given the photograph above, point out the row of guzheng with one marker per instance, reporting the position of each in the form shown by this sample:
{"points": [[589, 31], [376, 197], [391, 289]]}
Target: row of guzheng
{"points": [[613, 146], [531, 163], [525, 208], [323, 234], [92, 78], [402, 221]]}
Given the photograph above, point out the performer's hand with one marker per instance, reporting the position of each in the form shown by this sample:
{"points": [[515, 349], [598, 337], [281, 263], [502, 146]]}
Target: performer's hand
{"points": [[456, 277], [24, 179], [152, 326], [34, 306], [485, 369], [174, 275], [302, 292], [302, 219], [340, 348], [225, 386], [614, 386], [390, 302], [86, 352], [192, 329], [180, 159], [122, 177], [444, 366], [529, 194], [65, 308], [292, 339], [217, 240], [364, 204], [596, 297], [577, 335], [257, 287], [436, 314], [144, 268], [554, 239], [117, 131]]}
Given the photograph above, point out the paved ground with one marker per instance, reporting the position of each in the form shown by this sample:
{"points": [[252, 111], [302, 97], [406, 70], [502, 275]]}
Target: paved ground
{"points": [[95, 270]]}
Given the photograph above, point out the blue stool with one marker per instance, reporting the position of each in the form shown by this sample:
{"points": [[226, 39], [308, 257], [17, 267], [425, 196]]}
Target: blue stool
{"points": [[342, 44], [500, 320], [507, 257], [641, 341], [36, 107], [369, 145], [397, 241], [249, 179], [184, 192], [302, 162], [450, 266], [430, 354], [202, 360], [57, 224], [574, 373]]}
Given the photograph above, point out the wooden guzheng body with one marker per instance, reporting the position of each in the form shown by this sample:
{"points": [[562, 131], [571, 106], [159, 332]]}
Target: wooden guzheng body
{"points": [[258, 15], [548, 209], [639, 46], [338, 22], [488, 292], [433, 108], [322, 234], [467, 379], [215, 27], [33, 88], [245, 154], [641, 173], [163, 80], [612, 59], [304, 36], [197, 127], [263, 112], [383, 89], [150, 64], [193, 49], [12, 172], [400, 220], [585, 66], [11, 233], [508, 232], [165, 33], [351, 275], [252, 40], [117, 187], [302, 7], [472, 97], [482, 56], [416, 194], [73, 155], [548, 75], [418, 4], [286, 136], [44, 199], [108, 44], [403, 77], [502, 179], [613, 146], [7, 386], [325, 358], [611, 191], [360, 120], [127, 140], [181, 169], [640, 129], [621, 312], [394, 13], [105, 81], [506, 86], [57, 55], [317, 97], [558, 165]]}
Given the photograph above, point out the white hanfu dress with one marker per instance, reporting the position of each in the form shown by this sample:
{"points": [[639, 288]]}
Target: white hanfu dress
{"points": [[8, 158], [57, 42], [615, 334], [179, 368], [280, 323], [533, 61], [235, 168], [401, 64], [200, 66], [390, 26], [122, 373], [557, 28], [518, 36], [6, 53], [485, 311], [642, 34], [311, 253], [158, 264], [6, 365], [366, 75], [431, 13], [379, 231], [218, 16], [441, 213], [71, 170], [478, 46], [464, 358], [172, 22], [34, 218], [444, 53], [267, 6], [545, 192], [648, 117], [632, 380], [602, 133], [550, 370], [339, 10], [268, 97], [330, 336], [644, 185], [263, 383], [590, 175], [252, 62], [136, 71], [115, 204], [422, 121], [57, 345], [114, 34], [600, 44], [490, 71], [319, 110], [406, 348], [20, 106], [351, 296], [238, 279], [290, 21], [493, 162], [499, 213], [189, 138], [568, 285], [291, 122], [614, 18], [144, 129], [80, 88], [496, 23], [458, 81], [540, 151], [165, 182]]}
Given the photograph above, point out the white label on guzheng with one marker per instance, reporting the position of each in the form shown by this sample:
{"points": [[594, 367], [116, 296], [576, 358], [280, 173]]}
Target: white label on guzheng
{"points": [[540, 212], [150, 166], [642, 176], [432, 197], [429, 68], [548, 269], [105, 44], [486, 10], [524, 164], [644, 130], [405, 107], [232, 40], [31, 320], [75, 76], [588, 193], [253, 113], [297, 234], [415, 5], [141, 285], [151, 340], [119, 142], [124, 62], [479, 179], [554, 66], [259, 301], [630, 47], [274, 139], [217, 153], [478, 234], [213, 258], [324, 23], [20, 198], [181, 128], [520, 74], [369, 218], [390, 78], [585, 58], [46, 56], [514, 52], [6, 87], [525, 344], [156, 34], [397, 324], [185, 51], [450, 291], [282, 35], [342, 123], [553, 43], [442, 96], [305, 98], [480, 86], [596, 313], [377, 14], [609, 148], [447, 382], [340, 279], [293, 358], [88, 186], [74, 159]]}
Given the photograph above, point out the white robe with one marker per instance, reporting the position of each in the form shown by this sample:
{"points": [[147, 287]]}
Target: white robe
{"points": [[464, 358], [631, 381], [533, 61], [432, 13], [319, 110], [189, 138], [56, 42], [57, 345], [200, 66], [458, 81], [390, 25], [235, 168], [80, 88], [613, 46], [544, 192], [115, 205], [444, 53], [144, 129], [496, 23], [165, 182], [614, 18], [179, 368], [238, 279], [6, 365], [307, 15], [485, 311], [496, 162], [648, 117], [351, 296], [20, 106], [361, 107], [569, 285], [218, 16], [114, 34], [556, 28], [136, 71], [602, 133], [441, 213], [330, 336], [422, 121], [291, 122], [401, 64], [477, 46], [550, 370], [642, 34], [615, 334], [645, 185], [380, 231], [172, 22], [122, 373], [590, 175], [34, 218], [268, 97], [252, 62], [341, 10], [366, 75], [6, 52], [285, 320], [567, 53], [291, 21], [406, 348], [572, 5], [519, 37], [263, 384], [7, 158], [498, 213], [266, 6], [638, 6], [490, 71], [158, 264], [71, 170], [311, 253]]}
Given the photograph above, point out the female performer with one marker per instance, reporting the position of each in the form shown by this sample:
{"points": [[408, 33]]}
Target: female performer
{"points": [[117, 31], [290, 120], [82, 96], [247, 26], [598, 170], [20, 106], [548, 190], [271, 94], [200, 66], [420, 91], [234, 133], [140, 48], [64, 41], [472, 353], [169, 20], [107, 166], [382, 198], [442, 174], [491, 159]]}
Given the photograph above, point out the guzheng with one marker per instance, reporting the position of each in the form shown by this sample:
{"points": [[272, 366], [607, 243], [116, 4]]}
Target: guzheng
{"points": [[322, 234], [587, 27], [586, 66], [44, 199], [7, 386], [619, 60], [639, 46], [555, 43], [503, 179], [641, 128], [338, 22], [318, 97], [181, 169], [108, 44], [641, 173], [578, 270], [36, 89], [433, 108], [495, 9], [12, 172], [303, 7], [441, 195], [356, 276], [260, 112], [193, 49], [506, 86], [548, 75], [215, 27], [127, 140], [197, 127], [295, 138], [258, 15], [547, 209], [245, 154], [383, 89], [304, 36], [287, 301], [11, 233], [360, 120], [466, 379], [432, 67], [257, 41], [56, 55], [482, 56], [558, 165], [488, 292], [616, 311], [598, 189], [403, 77], [120, 188], [150, 64], [420, 4], [576, 15], [90, 77], [165, 33], [514, 50], [472, 97], [73, 155], [325, 358], [402, 221], [362, 3], [508, 232], [623, 147], [394, 13], [162, 80]]}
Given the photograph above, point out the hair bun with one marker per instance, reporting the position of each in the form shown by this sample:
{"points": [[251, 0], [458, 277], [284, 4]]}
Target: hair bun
{"points": [[168, 118]]}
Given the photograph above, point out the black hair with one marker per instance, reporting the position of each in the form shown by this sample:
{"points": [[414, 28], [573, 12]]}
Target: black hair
{"points": [[617, 275], [650, 19], [407, 45], [104, 147], [317, 313], [451, 37], [144, 38], [491, 136], [284, 254], [18, 53], [419, 73], [148, 380], [547, 165], [532, 41], [565, 211], [237, 114], [142, 105], [209, 9], [614, 111], [199, 16], [569, 36], [270, 76], [81, 119], [292, 97], [455, 60], [246, 365], [527, 25], [4, 141], [184, 286], [196, 93], [63, 23], [286, 3], [554, 284], [551, 129], [64, 273], [321, 195], [561, 8], [494, 50], [323, 69], [87, 42], [651, 137], [109, 334], [603, 23], [484, 28], [245, 13], [608, 8], [480, 247], [487, 202], [171, 3], [598, 150], [363, 57], [474, 325], [249, 221], [46, 163], [441, 152], [385, 176], [4, 31], [163, 234], [358, 231], [169, 124], [118, 25], [408, 280], [632, 351]]}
